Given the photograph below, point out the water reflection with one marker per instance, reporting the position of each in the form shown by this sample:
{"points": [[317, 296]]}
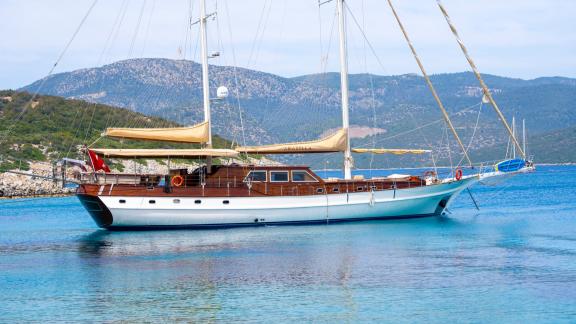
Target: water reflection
{"points": [[295, 255], [198, 273], [101, 243]]}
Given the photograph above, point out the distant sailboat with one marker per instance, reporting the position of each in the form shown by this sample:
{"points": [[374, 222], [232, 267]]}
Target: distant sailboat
{"points": [[243, 195]]}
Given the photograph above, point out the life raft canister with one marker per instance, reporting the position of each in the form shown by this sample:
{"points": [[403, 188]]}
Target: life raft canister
{"points": [[458, 174], [177, 181]]}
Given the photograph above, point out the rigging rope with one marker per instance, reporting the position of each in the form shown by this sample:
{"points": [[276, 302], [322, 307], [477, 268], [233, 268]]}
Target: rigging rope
{"points": [[372, 93], [264, 15], [479, 77], [236, 81], [148, 27], [473, 132], [107, 46], [27, 105], [137, 29], [430, 85], [462, 111], [365, 37], [110, 39], [227, 106]]}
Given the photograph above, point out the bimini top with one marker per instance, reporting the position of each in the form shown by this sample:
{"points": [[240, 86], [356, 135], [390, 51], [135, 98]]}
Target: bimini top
{"points": [[165, 153], [390, 151], [333, 143], [192, 134]]}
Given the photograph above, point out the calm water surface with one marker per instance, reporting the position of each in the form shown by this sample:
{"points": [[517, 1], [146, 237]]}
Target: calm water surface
{"points": [[513, 261]]}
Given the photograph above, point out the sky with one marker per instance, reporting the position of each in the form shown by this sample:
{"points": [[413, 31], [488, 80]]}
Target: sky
{"points": [[515, 38]]}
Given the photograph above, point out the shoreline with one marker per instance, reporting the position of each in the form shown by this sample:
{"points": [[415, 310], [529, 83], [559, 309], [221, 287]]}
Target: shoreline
{"points": [[57, 195]]}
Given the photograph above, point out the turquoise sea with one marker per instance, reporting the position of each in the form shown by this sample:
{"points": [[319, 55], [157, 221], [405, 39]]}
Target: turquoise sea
{"points": [[514, 261]]}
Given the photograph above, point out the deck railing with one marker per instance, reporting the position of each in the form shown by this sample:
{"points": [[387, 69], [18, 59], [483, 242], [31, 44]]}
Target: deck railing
{"points": [[152, 181]]}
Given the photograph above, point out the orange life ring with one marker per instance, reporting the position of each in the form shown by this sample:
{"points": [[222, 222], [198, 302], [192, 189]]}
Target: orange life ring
{"points": [[177, 181], [458, 174]]}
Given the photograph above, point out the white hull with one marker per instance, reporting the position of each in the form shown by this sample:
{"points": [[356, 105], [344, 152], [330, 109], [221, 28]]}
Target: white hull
{"points": [[138, 212]]}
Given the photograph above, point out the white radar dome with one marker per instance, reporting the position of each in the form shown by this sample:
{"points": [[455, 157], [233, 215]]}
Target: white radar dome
{"points": [[222, 92]]}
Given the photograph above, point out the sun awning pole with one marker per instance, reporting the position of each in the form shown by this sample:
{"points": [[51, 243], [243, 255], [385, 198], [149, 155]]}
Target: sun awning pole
{"points": [[479, 77], [430, 85]]}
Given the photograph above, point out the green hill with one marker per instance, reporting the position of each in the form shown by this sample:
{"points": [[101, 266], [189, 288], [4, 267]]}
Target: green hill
{"points": [[52, 127], [554, 147]]}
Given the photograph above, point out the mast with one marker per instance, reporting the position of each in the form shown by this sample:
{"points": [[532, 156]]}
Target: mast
{"points": [[514, 135], [524, 136], [430, 85], [480, 80], [344, 88], [205, 80]]}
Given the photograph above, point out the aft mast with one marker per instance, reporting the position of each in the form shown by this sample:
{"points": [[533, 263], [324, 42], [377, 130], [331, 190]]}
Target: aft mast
{"points": [[524, 136], [514, 135], [205, 80], [344, 88]]}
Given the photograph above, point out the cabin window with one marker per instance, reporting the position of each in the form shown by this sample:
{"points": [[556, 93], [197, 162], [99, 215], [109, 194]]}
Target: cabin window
{"points": [[279, 176], [360, 189], [226, 202], [122, 201], [256, 176], [319, 190], [302, 176], [152, 201], [335, 189], [197, 202]]}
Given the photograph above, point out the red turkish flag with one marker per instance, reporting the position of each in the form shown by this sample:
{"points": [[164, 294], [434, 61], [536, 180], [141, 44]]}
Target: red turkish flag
{"points": [[97, 162]]}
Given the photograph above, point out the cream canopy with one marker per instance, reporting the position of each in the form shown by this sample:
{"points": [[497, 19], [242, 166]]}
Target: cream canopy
{"points": [[390, 151], [333, 143], [164, 153], [192, 134]]}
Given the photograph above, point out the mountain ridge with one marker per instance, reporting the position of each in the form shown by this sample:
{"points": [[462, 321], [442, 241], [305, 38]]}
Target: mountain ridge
{"points": [[277, 109]]}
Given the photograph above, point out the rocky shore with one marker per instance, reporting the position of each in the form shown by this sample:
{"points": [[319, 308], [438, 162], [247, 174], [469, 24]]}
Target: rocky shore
{"points": [[19, 186], [14, 185]]}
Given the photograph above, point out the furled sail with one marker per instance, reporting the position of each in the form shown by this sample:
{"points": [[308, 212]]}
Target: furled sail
{"points": [[192, 134], [164, 153], [390, 151], [333, 143]]}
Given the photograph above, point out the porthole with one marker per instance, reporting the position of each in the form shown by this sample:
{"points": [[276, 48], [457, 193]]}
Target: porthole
{"points": [[197, 202], [152, 201], [225, 202], [122, 201]]}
